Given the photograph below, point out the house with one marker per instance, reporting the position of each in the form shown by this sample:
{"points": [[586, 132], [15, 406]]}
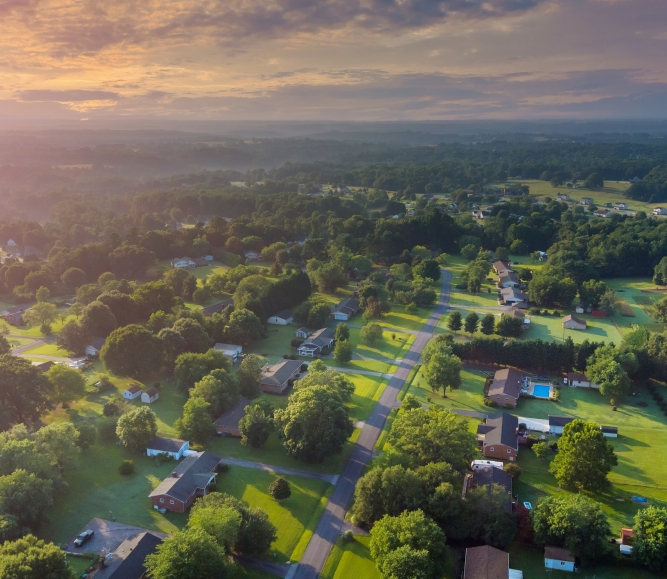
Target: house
{"points": [[181, 262], [562, 197], [174, 447], [487, 476], [228, 423], [556, 423], [512, 295], [609, 431], [200, 262], [498, 437], [14, 315], [252, 255], [506, 387], [132, 392], [500, 266], [571, 323], [345, 309], [660, 211], [508, 279], [127, 561], [215, 308], [281, 318], [627, 536], [44, 366], [480, 214], [279, 377], [11, 243], [635, 179], [93, 349], [318, 341], [230, 351], [189, 480], [488, 563], [208, 257], [578, 380], [150, 395], [602, 213], [302, 333], [587, 201], [621, 206], [558, 558]]}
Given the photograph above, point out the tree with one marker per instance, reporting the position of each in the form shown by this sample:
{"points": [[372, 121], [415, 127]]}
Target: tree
{"points": [[23, 455], [72, 338], [98, 320], [189, 554], [25, 392], [660, 272], [343, 352], [190, 367], [136, 428], [68, 384], [609, 375], [541, 450], [509, 326], [42, 314], [314, 424], [220, 389], [427, 269], [454, 321], [196, 424], [220, 522], [409, 402], [87, 435], [594, 181], [408, 538], [122, 306], [73, 278], [336, 382], [513, 469], [609, 303], [471, 323], [488, 324], [584, 457], [249, 376], [26, 497], [255, 426], [550, 288], [196, 339], [173, 345], [342, 332], [591, 292], [371, 333], [574, 522], [42, 294], [650, 543], [132, 351], [443, 371], [154, 296], [58, 442], [32, 558], [433, 435], [5, 348], [279, 489], [329, 277], [244, 327]]}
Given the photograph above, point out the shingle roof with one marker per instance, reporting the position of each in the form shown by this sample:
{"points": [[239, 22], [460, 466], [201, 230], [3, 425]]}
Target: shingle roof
{"points": [[490, 475], [570, 317], [280, 373], [504, 431], [97, 343], [609, 429], [513, 292], [506, 381], [191, 474], [500, 266], [152, 391], [230, 419], [347, 305], [215, 308], [558, 553], [321, 338], [133, 389], [166, 444], [285, 314], [133, 552], [577, 377], [560, 420], [509, 275], [15, 310], [486, 563]]}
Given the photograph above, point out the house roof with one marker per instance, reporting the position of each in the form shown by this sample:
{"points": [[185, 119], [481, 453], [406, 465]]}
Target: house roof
{"points": [[230, 419], [15, 310], [491, 475], [44, 366], [166, 444], [177, 259], [560, 420], [152, 391], [507, 382], [348, 305], [509, 276], [571, 318], [285, 315], [278, 374], [97, 343], [504, 430], [577, 377], [132, 553], [133, 389], [609, 429], [215, 308], [558, 554], [228, 348], [486, 563], [515, 314], [320, 338], [304, 330], [194, 472], [513, 292]]}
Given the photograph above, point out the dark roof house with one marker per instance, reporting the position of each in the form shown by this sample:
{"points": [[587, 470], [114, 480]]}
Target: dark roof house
{"points": [[345, 309], [276, 378], [127, 561], [506, 387], [486, 563], [228, 423], [560, 420], [165, 444], [503, 430]]}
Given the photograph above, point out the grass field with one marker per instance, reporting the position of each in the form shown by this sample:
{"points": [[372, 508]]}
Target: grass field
{"points": [[48, 350], [611, 193]]}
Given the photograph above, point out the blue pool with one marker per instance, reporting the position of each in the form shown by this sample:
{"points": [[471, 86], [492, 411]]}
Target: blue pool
{"points": [[541, 391]]}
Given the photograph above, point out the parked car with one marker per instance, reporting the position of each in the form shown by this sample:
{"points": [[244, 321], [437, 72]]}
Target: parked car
{"points": [[83, 538]]}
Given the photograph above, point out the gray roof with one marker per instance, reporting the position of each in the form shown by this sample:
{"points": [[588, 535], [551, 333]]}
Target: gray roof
{"points": [[194, 472], [97, 343], [166, 444], [132, 553], [490, 475], [348, 305], [15, 310], [509, 275], [230, 419], [321, 338], [513, 292], [215, 308], [486, 563], [560, 420], [285, 314], [304, 330], [610, 429], [504, 430], [281, 372], [506, 381]]}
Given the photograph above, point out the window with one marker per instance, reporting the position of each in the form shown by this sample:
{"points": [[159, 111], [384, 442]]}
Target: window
{"points": [[161, 500], [492, 449], [171, 502], [509, 451]]}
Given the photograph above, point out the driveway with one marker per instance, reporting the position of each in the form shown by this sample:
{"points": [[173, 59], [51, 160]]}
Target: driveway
{"points": [[108, 536]]}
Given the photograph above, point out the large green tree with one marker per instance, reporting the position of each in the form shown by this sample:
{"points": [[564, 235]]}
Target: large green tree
{"points": [[650, 543], [68, 384], [196, 338], [32, 558], [154, 297], [249, 376], [221, 522], [191, 367], [244, 327], [343, 352], [136, 428], [550, 288], [25, 392], [371, 333], [195, 424], [25, 496], [58, 442], [132, 351], [443, 371], [98, 320], [73, 338], [220, 389], [584, 457], [255, 426]]}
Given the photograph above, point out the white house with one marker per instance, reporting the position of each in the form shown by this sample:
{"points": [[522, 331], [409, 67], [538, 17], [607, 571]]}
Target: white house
{"points": [[557, 423], [558, 558], [181, 262], [11, 243], [302, 333], [150, 395], [208, 257], [231, 351], [172, 446], [620, 206], [609, 431], [132, 392], [252, 255], [281, 318], [345, 309], [93, 349], [578, 380], [318, 341], [587, 201], [660, 211], [562, 197], [571, 323]]}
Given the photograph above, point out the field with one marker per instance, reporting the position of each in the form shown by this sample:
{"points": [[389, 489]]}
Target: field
{"points": [[611, 193]]}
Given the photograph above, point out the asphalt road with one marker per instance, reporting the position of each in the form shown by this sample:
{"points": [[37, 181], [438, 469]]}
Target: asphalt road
{"points": [[331, 523]]}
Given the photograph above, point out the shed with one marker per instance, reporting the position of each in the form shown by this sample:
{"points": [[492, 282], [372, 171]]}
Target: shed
{"points": [[571, 323], [281, 318], [228, 423], [93, 349], [556, 423], [302, 333], [609, 431], [230, 351], [132, 392], [578, 380], [150, 395], [558, 558], [174, 447]]}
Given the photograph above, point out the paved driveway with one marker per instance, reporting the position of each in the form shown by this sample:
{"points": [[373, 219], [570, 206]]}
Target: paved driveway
{"points": [[108, 536]]}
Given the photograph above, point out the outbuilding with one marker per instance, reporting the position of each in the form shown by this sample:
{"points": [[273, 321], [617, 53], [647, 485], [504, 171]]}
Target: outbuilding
{"points": [[557, 423], [609, 431], [230, 351], [93, 349], [578, 380], [174, 447], [281, 318], [571, 323], [302, 333], [558, 558], [150, 395], [132, 392]]}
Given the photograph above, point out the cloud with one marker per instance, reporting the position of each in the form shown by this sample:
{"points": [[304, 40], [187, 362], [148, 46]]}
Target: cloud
{"points": [[67, 96]]}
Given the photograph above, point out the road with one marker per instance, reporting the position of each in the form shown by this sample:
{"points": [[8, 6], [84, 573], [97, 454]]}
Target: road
{"points": [[331, 523]]}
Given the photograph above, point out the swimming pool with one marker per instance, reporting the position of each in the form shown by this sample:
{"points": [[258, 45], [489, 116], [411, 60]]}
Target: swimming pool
{"points": [[541, 391]]}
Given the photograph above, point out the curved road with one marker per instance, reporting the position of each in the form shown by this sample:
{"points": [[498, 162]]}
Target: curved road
{"points": [[331, 523]]}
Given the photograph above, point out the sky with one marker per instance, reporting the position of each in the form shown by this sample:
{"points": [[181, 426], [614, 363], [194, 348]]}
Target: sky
{"points": [[353, 60]]}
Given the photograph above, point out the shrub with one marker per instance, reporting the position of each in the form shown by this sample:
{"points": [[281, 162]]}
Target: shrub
{"points": [[512, 469], [126, 467], [556, 395], [105, 385], [509, 406], [222, 467], [347, 537], [110, 409], [296, 342], [534, 311], [553, 445], [411, 309], [490, 403], [279, 489], [106, 428]]}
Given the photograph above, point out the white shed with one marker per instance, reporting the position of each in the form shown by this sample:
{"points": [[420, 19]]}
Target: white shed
{"points": [[174, 447], [132, 392], [150, 395], [609, 431], [558, 558], [281, 318]]}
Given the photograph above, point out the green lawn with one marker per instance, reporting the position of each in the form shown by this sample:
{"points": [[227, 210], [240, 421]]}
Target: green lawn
{"points": [[367, 392], [387, 348], [630, 290], [48, 350], [550, 328]]}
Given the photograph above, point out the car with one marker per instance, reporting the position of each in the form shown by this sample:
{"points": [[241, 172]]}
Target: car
{"points": [[84, 537]]}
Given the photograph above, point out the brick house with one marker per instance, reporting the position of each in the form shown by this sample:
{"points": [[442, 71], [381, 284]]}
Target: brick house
{"points": [[279, 377], [506, 387], [498, 437], [487, 476], [228, 423]]}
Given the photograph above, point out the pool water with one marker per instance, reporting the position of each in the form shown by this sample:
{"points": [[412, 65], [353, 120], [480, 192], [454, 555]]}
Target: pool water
{"points": [[541, 391]]}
